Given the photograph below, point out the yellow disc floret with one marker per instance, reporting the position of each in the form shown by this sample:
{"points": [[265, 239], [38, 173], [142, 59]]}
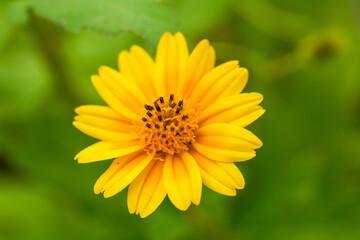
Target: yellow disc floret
{"points": [[167, 126]]}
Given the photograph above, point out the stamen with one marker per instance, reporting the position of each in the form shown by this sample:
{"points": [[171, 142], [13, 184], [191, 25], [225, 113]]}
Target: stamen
{"points": [[160, 118], [157, 107], [171, 98], [148, 125], [172, 129], [149, 114], [144, 119], [157, 126], [181, 128], [181, 104], [173, 105], [178, 110], [184, 117], [163, 135], [161, 99], [148, 107]]}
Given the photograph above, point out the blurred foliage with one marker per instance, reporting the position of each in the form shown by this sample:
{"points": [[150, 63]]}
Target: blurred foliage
{"points": [[303, 56], [109, 17]]}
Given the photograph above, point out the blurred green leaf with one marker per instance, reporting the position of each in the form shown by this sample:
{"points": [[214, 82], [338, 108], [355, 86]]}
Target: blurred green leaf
{"points": [[146, 18], [272, 19]]}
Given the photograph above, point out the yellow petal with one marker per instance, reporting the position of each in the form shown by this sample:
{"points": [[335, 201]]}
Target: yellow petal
{"points": [[249, 118], [137, 65], [103, 133], [231, 108], [125, 65], [215, 92], [182, 49], [237, 85], [171, 57], [229, 130], [113, 169], [220, 177], [147, 191], [162, 63], [214, 184], [106, 150], [153, 192], [171, 66], [136, 187], [130, 92], [177, 182], [200, 62], [226, 142], [98, 111], [194, 176], [126, 174], [210, 79], [104, 123], [223, 155], [112, 98]]}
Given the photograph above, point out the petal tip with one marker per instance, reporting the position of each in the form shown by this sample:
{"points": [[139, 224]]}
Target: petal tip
{"points": [[144, 215], [75, 123], [203, 44], [135, 48], [102, 68], [77, 109], [167, 34], [260, 96], [179, 34], [94, 78], [196, 202], [232, 194], [165, 37], [108, 194]]}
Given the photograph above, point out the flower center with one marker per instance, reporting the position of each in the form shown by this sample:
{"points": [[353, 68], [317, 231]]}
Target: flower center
{"points": [[168, 126]]}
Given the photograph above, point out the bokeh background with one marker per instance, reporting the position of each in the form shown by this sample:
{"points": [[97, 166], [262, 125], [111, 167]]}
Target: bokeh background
{"points": [[303, 56]]}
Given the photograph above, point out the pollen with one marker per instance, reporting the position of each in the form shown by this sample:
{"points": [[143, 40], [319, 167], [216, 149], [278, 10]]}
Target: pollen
{"points": [[167, 126]]}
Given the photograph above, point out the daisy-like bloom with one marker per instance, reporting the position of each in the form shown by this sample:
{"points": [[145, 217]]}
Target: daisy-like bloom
{"points": [[172, 125]]}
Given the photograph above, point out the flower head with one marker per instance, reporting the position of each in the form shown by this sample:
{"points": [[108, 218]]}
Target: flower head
{"points": [[172, 125]]}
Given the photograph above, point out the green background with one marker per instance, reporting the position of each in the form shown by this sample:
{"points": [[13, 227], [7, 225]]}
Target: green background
{"points": [[303, 56]]}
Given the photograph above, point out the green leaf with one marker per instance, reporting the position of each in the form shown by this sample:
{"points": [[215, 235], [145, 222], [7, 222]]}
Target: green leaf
{"points": [[148, 19]]}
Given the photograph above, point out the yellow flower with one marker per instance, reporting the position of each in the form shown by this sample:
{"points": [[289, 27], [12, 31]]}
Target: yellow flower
{"points": [[172, 125]]}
